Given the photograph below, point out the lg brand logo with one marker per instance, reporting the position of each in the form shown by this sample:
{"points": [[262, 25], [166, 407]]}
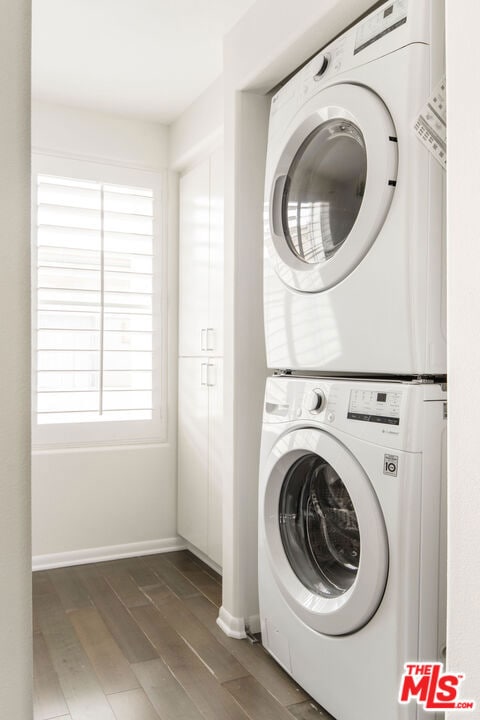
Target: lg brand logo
{"points": [[390, 465]]}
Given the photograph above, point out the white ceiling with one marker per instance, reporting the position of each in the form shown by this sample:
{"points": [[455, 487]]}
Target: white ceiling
{"points": [[143, 58]]}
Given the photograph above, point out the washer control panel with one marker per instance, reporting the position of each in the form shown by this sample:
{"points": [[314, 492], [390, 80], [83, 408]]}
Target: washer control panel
{"points": [[387, 413], [374, 406]]}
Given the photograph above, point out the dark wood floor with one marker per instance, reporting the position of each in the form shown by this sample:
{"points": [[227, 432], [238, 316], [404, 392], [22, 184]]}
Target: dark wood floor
{"points": [[136, 639]]}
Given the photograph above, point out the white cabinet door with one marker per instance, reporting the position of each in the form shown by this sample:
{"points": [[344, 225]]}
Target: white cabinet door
{"points": [[193, 441], [200, 380], [194, 259], [216, 268], [215, 459]]}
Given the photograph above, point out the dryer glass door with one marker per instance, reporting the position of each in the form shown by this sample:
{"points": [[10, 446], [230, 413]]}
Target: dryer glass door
{"points": [[330, 181], [324, 189], [325, 533]]}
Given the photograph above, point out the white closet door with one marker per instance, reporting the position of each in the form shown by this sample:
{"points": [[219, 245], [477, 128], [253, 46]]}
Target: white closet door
{"points": [[215, 451], [194, 259], [193, 446], [215, 336]]}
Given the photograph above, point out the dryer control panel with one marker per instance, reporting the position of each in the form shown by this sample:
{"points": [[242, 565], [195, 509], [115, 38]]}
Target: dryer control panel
{"points": [[395, 25], [379, 24]]}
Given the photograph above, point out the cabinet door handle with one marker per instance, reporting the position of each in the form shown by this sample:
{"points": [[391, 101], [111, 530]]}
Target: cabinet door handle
{"points": [[211, 374], [204, 374], [203, 339], [210, 338]]}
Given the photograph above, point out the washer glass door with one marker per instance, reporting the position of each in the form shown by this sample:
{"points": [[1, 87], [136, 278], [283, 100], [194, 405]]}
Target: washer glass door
{"points": [[324, 531], [319, 527]]}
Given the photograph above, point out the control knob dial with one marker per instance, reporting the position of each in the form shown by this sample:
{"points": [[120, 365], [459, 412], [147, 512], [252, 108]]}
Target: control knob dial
{"points": [[314, 400]]}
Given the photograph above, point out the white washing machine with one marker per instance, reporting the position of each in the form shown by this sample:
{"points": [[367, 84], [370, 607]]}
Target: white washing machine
{"points": [[352, 558], [354, 213]]}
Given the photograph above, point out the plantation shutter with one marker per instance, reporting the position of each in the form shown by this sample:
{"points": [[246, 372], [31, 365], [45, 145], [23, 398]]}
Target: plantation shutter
{"points": [[94, 305]]}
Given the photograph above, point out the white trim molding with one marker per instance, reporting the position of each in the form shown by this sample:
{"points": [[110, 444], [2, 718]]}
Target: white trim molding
{"points": [[97, 159], [203, 557], [109, 552], [232, 626]]}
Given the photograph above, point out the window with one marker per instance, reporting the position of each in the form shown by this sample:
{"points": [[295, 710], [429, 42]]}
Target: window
{"points": [[97, 303]]}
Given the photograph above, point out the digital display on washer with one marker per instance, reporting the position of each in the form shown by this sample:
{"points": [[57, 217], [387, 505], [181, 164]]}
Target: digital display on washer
{"points": [[380, 24], [375, 407]]}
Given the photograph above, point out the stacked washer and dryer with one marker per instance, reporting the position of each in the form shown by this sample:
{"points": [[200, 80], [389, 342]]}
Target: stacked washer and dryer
{"points": [[353, 467]]}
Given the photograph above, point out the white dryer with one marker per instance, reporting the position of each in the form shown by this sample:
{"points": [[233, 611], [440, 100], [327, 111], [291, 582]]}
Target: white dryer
{"points": [[354, 276], [352, 537]]}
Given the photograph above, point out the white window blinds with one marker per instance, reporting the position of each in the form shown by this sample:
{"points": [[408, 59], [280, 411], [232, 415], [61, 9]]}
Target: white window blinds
{"points": [[94, 309]]}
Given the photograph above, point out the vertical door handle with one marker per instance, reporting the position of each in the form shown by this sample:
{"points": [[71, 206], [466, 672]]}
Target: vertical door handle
{"points": [[204, 374], [210, 339], [203, 339], [276, 205], [211, 374]]}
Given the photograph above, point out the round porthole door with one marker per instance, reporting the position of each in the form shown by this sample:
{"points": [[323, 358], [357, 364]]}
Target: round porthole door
{"points": [[332, 180], [325, 532]]}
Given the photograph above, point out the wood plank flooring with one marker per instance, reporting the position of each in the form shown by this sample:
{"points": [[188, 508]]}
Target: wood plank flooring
{"points": [[137, 639]]}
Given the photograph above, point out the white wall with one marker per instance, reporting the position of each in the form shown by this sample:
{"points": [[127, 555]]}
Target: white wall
{"points": [[198, 129], [102, 497], [463, 297], [115, 499], [15, 597], [89, 134]]}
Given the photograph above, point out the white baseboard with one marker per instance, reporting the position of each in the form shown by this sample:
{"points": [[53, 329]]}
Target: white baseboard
{"points": [[232, 626], [204, 558], [110, 552]]}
